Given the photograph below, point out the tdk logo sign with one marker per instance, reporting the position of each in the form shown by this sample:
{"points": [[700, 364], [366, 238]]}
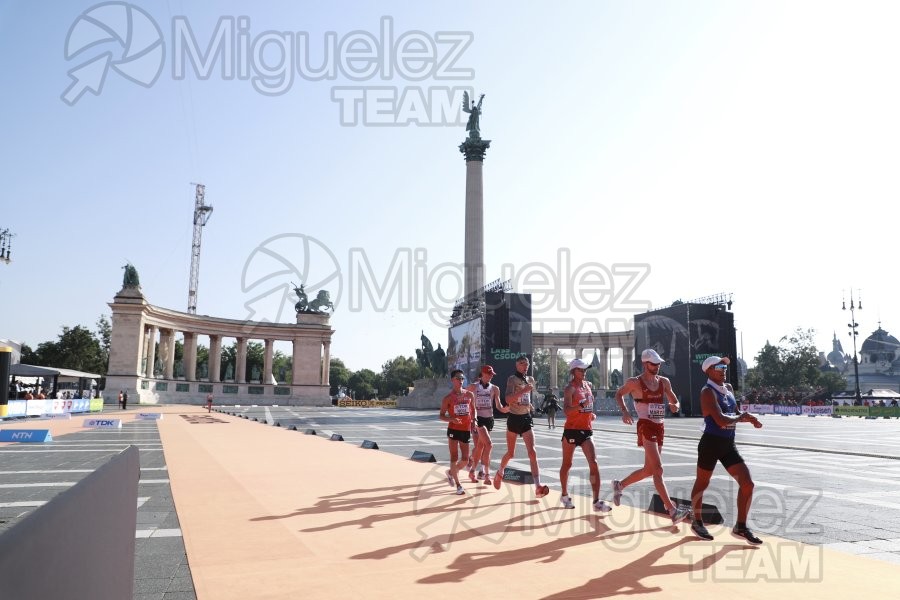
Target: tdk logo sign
{"points": [[103, 423]]}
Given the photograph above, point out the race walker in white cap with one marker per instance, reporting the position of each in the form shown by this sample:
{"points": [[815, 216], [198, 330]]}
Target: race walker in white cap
{"points": [[720, 415], [578, 404], [649, 392]]}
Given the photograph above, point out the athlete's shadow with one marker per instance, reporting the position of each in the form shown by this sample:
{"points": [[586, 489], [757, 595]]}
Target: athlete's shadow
{"points": [[352, 500], [466, 565], [626, 580], [363, 499], [463, 532]]}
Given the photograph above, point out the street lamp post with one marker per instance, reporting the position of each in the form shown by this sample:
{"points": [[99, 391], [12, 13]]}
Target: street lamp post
{"points": [[853, 325], [6, 245]]}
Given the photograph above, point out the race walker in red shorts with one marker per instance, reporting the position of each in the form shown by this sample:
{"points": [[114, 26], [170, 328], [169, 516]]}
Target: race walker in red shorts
{"points": [[649, 391]]}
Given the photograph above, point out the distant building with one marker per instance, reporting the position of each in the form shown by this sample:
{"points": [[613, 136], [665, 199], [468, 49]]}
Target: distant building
{"points": [[879, 362]]}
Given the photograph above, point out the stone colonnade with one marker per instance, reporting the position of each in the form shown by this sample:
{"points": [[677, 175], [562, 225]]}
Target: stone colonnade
{"points": [[601, 342], [138, 328]]}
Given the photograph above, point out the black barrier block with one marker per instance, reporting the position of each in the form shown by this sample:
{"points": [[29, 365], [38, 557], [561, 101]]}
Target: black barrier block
{"points": [[870, 417], [309, 431], [833, 416], [336, 437], [422, 456], [709, 512], [288, 423], [369, 445], [517, 476]]}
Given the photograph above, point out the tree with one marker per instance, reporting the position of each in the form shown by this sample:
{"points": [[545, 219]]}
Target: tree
{"points": [[76, 348], [103, 333], [363, 383], [282, 367], [229, 359], [832, 382], [793, 364], [768, 369], [202, 362], [29, 357], [541, 368], [338, 375], [397, 376], [256, 361]]}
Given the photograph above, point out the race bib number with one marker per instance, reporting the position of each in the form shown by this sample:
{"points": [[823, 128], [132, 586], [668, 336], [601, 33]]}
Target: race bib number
{"points": [[525, 399], [587, 405], [483, 402], [460, 410], [656, 410]]}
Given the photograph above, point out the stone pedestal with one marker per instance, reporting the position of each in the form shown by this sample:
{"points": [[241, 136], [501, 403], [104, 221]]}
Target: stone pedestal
{"points": [[304, 318], [426, 394]]}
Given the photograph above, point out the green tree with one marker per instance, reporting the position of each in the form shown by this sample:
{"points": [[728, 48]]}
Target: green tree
{"points": [[281, 367], [104, 333], [793, 363], [338, 375], [256, 361], [364, 384], [832, 381], [397, 376], [29, 356], [76, 348], [768, 370], [202, 362], [228, 359], [541, 369]]}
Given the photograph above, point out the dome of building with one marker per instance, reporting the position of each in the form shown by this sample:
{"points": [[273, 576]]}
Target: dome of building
{"points": [[836, 357], [881, 346]]}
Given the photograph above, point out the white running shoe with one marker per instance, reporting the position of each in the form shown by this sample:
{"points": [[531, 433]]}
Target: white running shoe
{"points": [[460, 491], [601, 506], [566, 502], [450, 478]]}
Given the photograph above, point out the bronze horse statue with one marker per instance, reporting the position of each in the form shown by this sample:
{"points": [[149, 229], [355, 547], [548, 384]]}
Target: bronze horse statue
{"points": [[321, 302]]}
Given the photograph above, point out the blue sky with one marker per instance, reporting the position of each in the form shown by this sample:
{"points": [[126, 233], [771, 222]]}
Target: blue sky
{"points": [[741, 147]]}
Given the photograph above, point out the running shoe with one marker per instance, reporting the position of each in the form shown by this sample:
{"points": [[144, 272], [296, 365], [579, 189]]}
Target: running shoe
{"points": [[487, 479], [680, 513], [450, 478], [601, 506], [700, 530], [617, 492], [566, 502], [498, 479], [480, 473], [541, 491], [460, 491], [746, 534], [472, 477]]}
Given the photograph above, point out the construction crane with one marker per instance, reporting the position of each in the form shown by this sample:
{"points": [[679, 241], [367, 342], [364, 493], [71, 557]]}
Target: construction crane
{"points": [[201, 215]]}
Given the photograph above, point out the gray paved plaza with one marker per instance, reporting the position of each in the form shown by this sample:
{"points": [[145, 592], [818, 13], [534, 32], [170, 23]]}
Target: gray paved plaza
{"points": [[834, 482]]}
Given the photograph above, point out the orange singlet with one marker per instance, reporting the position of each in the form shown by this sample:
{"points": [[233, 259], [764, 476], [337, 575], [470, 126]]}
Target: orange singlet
{"points": [[582, 419], [459, 407]]}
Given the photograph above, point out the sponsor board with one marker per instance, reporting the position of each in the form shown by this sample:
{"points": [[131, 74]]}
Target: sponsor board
{"points": [[103, 423], [149, 416], [348, 403], [25, 435]]}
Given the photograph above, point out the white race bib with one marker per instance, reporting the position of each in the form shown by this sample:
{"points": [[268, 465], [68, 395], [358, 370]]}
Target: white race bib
{"points": [[460, 410], [657, 411]]}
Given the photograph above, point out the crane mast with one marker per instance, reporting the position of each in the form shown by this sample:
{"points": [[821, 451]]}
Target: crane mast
{"points": [[202, 213]]}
